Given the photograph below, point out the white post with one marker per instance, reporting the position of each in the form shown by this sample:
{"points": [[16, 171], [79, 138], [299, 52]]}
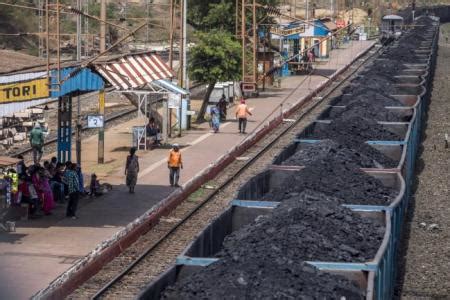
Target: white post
{"points": [[307, 11], [185, 63]]}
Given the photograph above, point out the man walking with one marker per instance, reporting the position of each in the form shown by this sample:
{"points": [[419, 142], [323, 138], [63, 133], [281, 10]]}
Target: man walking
{"points": [[242, 112], [37, 142], [174, 163], [73, 184]]}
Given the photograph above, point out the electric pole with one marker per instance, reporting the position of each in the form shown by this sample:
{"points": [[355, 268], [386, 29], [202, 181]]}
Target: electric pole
{"points": [[78, 131], [103, 26]]}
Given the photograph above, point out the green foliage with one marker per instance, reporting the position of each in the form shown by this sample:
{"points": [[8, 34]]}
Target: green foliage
{"points": [[220, 16], [198, 10], [215, 57]]}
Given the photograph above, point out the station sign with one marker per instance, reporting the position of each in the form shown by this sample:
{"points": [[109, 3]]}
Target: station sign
{"points": [[288, 31], [24, 90]]}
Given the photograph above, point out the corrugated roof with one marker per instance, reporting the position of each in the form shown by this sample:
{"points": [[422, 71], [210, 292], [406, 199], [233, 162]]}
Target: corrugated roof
{"points": [[134, 70]]}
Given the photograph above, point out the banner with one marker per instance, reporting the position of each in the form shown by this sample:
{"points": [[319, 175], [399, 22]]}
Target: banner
{"points": [[24, 91]]}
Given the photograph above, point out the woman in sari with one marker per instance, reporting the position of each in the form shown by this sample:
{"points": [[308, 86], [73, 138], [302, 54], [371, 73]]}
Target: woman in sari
{"points": [[215, 119], [41, 183], [132, 170]]}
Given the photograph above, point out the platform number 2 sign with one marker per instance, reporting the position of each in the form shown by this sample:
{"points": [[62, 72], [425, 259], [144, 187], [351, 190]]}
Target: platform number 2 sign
{"points": [[95, 121]]}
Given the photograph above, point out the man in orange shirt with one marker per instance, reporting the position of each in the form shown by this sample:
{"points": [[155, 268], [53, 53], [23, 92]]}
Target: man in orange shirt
{"points": [[242, 112], [174, 163]]}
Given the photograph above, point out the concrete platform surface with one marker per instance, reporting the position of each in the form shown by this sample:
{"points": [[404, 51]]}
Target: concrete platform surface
{"points": [[42, 249]]}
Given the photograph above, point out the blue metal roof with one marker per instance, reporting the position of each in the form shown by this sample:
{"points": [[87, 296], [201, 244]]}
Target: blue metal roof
{"points": [[320, 29], [82, 81]]}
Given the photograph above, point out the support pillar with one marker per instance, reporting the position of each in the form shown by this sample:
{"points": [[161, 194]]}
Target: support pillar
{"points": [[101, 131], [64, 129]]}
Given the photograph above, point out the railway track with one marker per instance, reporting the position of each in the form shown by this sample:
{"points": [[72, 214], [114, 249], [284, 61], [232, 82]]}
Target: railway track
{"points": [[126, 275], [52, 140]]}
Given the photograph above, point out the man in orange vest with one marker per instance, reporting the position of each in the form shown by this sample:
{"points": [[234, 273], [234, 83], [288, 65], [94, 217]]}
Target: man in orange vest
{"points": [[174, 163], [242, 112]]}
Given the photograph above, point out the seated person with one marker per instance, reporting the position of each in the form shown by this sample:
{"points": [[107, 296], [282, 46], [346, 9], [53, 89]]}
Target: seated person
{"points": [[153, 131], [95, 188]]}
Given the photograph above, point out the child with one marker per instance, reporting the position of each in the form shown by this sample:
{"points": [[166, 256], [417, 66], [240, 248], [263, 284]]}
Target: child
{"points": [[27, 194], [95, 187]]}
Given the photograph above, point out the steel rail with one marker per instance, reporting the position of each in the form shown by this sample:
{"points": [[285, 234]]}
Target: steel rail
{"points": [[229, 180], [112, 117]]}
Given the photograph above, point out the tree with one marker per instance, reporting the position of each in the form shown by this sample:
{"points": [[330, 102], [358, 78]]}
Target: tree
{"points": [[220, 16], [215, 57]]}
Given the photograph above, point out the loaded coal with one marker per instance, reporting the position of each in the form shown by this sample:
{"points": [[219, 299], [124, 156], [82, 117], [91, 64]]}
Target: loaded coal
{"points": [[336, 177], [367, 95], [266, 258], [368, 157], [367, 110], [359, 127], [263, 275], [309, 226]]}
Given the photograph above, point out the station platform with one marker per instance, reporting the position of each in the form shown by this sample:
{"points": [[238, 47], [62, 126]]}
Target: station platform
{"points": [[42, 249]]}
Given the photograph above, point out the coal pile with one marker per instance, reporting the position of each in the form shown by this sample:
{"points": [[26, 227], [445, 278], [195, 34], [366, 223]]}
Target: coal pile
{"points": [[362, 128], [333, 177], [265, 260], [309, 226], [326, 148], [368, 110], [354, 142], [263, 275], [367, 95]]}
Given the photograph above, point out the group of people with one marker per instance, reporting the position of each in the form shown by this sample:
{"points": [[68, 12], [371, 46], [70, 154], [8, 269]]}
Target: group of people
{"points": [[41, 186], [174, 164], [219, 113]]}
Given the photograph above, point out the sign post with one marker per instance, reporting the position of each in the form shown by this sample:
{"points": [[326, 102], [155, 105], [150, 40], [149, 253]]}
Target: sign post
{"points": [[101, 131]]}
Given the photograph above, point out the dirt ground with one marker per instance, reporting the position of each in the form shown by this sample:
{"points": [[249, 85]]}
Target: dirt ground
{"points": [[425, 261]]}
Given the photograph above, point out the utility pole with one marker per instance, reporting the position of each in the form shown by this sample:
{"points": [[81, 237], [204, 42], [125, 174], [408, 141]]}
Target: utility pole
{"points": [[147, 34], [332, 10], [103, 26], [41, 29], [86, 29], [184, 20], [78, 129], [171, 31], [249, 39], [307, 11], [185, 65], [181, 48]]}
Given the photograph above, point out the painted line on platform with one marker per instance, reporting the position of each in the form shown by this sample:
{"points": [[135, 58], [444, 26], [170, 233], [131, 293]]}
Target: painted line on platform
{"points": [[159, 163]]}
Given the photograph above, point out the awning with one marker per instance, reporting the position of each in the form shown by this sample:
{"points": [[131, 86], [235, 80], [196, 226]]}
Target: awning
{"points": [[134, 71], [170, 87]]}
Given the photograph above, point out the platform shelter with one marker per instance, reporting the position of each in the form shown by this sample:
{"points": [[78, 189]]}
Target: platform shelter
{"points": [[146, 80]]}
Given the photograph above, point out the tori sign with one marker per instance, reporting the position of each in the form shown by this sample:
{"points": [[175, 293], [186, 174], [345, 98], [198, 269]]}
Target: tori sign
{"points": [[24, 91]]}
